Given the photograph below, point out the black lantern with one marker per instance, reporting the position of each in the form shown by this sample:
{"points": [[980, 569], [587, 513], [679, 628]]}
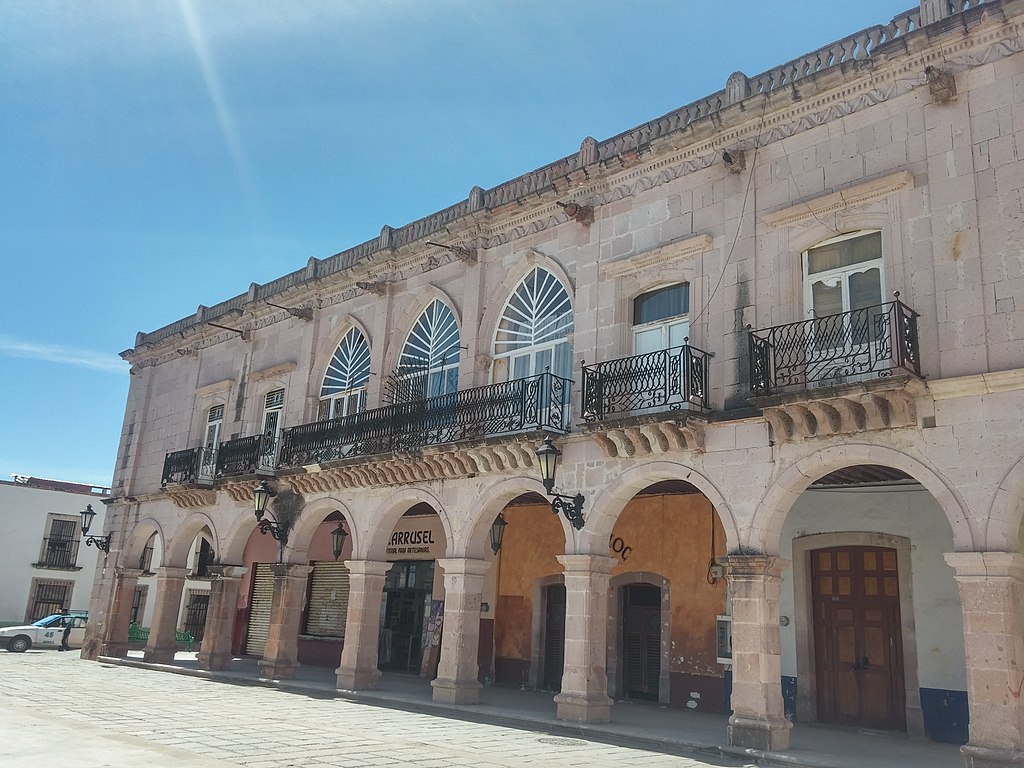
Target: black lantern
{"points": [[338, 536], [547, 457], [261, 496], [102, 543], [497, 532], [570, 506]]}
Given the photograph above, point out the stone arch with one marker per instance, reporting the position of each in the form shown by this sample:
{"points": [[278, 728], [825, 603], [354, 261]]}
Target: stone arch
{"points": [[178, 546], [1006, 515], [406, 319], [766, 527], [618, 492], [243, 523], [136, 541], [492, 309], [310, 519], [391, 511], [615, 616], [473, 540], [325, 349]]}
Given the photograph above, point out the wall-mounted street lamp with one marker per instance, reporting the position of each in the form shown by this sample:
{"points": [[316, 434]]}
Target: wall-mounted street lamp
{"points": [[102, 543], [271, 525], [570, 506], [338, 536], [497, 532]]}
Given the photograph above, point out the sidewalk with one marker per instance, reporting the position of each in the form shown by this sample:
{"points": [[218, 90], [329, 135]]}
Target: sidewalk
{"points": [[642, 726]]}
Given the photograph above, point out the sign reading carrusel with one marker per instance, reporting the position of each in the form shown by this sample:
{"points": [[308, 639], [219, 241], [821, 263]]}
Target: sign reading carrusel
{"points": [[417, 537]]}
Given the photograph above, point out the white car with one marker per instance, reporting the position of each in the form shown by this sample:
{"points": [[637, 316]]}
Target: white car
{"points": [[46, 633]]}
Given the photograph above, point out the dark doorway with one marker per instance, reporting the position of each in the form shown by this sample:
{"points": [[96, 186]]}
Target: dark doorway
{"points": [[857, 637], [195, 615], [407, 591], [641, 641], [554, 636]]}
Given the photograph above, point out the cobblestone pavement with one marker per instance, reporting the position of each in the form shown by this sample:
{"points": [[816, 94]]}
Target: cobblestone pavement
{"points": [[73, 713]]}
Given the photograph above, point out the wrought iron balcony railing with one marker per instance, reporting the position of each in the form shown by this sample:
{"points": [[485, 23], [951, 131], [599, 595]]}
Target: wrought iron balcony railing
{"points": [[59, 552], [539, 402], [256, 454], [863, 343], [189, 466], [669, 379]]}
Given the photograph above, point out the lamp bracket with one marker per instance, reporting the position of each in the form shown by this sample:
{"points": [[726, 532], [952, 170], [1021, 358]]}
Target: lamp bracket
{"points": [[102, 543], [278, 531], [569, 506]]}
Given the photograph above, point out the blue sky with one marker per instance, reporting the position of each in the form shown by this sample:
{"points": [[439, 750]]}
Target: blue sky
{"points": [[159, 155]]}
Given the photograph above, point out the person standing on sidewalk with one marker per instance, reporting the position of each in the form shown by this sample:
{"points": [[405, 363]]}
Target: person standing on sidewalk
{"points": [[67, 622]]}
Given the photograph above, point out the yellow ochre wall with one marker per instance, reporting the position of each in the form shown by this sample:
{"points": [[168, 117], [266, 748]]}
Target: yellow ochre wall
{"points": [[668, 536]]}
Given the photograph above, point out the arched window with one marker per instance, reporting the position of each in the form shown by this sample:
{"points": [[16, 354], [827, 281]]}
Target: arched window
{"points": [[344, 388], [429, 365], [843, 274], [661, 318], [533, 332]]}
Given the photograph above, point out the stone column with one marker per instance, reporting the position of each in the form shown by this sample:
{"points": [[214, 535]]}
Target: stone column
{"points": [[358, 668], [992, 598], [280, 656], [162, 644], [215, 651], [458, 671], [758, 720], [114, 637], [584, 697]]}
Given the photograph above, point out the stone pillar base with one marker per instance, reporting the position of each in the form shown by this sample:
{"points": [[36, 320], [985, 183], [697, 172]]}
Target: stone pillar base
{"points": [[354, 679], [117, 650], [211, 662], [159, 655], [755, 733], [456, 691], [990, 757], [276, 670], [582, 709]]}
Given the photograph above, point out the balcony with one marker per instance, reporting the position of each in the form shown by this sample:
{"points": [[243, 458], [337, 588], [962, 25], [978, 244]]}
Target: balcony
{"points": [[841, 373], [523, 405], [252, 455], [191, 466], [59, 553], [632, 405], [667, 380]]}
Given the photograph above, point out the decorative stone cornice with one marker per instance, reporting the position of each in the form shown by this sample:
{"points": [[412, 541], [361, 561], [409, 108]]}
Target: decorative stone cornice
{"points": [[661, 256], [857, 194], [216, 387], [191, 498], [636, 437], [273, 371], [978, 384], [430, 464], [845, 409]]}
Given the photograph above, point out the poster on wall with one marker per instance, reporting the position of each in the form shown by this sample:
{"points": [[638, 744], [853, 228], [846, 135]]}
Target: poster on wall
{"points": [[432, 639]]}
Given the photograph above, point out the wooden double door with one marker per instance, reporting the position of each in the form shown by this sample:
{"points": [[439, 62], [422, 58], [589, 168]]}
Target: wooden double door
{"points": [[858, 638]]}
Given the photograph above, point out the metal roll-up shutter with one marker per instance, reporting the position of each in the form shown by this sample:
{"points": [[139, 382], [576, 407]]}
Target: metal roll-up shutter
{"points": [[328, 600], [259, 609]]}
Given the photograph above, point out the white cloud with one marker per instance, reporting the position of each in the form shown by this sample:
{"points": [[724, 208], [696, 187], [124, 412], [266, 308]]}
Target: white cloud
{"points": [[55, 353]]}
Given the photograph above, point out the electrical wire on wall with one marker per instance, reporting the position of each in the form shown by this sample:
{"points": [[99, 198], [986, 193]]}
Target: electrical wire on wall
{"points": [[739, 224]]}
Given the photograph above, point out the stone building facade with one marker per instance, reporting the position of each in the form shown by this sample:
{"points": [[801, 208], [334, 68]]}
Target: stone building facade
{"points": [[774, 335]]}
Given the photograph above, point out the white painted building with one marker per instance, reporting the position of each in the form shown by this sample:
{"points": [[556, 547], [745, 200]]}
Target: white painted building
{"points": [[45, 565]]}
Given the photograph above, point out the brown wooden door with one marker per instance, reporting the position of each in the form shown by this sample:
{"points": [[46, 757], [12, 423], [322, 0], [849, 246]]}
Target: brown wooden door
{"points": [[858, 642], [641, 641], [554, 636]]}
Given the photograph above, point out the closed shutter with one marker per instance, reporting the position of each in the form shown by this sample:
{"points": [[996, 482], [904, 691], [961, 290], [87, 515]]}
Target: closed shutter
{"points": [[328, 600], [259, 610]]}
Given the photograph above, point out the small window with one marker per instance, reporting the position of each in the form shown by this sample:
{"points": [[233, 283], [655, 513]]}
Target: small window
{"points": [[214, 420], [272, 406], [48, 597], [661, 319]]}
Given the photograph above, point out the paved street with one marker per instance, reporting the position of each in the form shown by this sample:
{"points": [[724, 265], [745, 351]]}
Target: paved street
{"points": [[58, 708]]}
